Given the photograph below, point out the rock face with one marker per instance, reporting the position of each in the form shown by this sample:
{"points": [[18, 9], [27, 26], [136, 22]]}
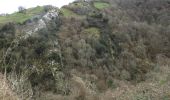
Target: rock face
{"points": [[40, 21], [50, 15]]}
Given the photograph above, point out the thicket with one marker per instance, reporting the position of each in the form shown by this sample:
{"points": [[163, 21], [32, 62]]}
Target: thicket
{"points": [[120, 42]]}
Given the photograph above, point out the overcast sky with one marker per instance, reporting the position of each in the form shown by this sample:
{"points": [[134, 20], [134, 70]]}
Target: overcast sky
{"points": [[10, 6]]}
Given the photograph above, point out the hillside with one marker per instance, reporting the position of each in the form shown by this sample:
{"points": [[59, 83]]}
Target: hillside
{"points": [[88, 50], [21, 17]]}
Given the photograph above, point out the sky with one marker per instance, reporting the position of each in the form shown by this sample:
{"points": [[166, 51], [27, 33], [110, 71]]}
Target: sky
{"points": [[10, 6]]}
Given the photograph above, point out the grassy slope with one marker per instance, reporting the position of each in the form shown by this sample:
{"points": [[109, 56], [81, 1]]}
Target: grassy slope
{"points": [[21, 17], [68, 13], [101, 5], [76, 4]]}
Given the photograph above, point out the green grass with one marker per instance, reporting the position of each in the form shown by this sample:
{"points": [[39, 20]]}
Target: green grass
{"points": [[92, 32], [101, 5], [76, 4], [21, 17], [68, 13]]}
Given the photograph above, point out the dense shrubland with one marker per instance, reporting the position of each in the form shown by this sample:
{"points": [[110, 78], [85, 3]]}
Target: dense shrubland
{"points": [[96, 46]]}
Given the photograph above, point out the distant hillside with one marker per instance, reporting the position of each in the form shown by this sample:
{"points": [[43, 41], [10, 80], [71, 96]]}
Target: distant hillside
{"points": [[88, 50], [20, 17]]}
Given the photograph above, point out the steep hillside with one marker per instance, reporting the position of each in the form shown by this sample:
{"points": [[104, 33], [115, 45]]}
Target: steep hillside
{"points": [[21, 17], [88, 50]]}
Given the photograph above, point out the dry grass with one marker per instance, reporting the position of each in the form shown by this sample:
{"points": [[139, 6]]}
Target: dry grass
{"points": [[5, 92]]}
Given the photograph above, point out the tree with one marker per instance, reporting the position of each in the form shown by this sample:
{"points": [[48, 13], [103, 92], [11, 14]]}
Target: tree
{"points": [[21, 9]]}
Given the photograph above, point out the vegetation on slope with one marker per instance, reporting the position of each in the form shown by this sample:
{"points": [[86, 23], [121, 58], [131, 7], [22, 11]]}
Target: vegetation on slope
{"points": [[101, 5], [19, 17], [76, 9], [92, 32], [68, 13], [93, 54]]}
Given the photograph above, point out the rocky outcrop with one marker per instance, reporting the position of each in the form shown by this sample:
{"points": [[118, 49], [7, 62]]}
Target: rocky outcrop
{"points": [[39, 22]]}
